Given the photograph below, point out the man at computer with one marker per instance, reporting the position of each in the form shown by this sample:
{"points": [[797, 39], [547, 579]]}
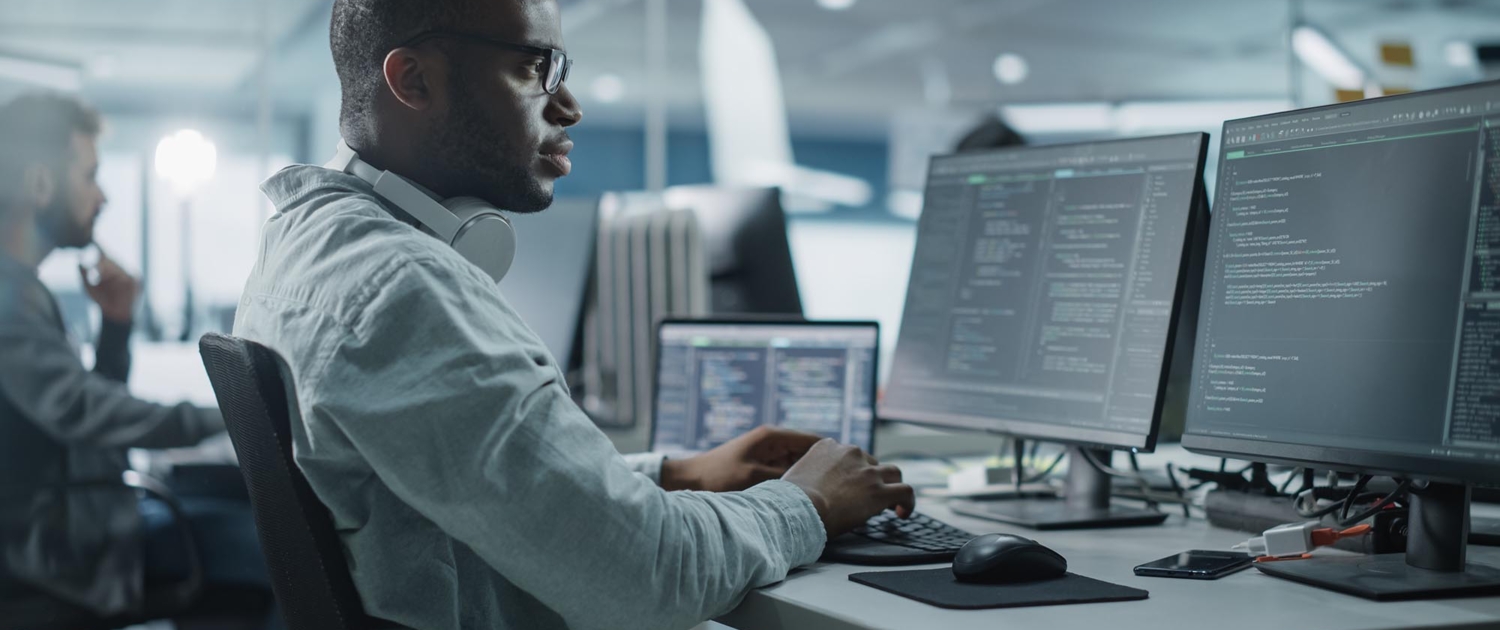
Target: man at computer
{"points": [[468, 489], [64, 427]]}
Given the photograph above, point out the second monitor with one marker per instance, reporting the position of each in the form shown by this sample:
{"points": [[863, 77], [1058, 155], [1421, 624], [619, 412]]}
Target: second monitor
{"points": [[1045, 297]]}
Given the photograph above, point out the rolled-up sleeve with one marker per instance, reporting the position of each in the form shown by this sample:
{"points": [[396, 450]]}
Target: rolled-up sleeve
{"points": [[458, 411]]}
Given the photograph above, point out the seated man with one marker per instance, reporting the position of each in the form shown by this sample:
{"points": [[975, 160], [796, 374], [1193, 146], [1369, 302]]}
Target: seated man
{"points": [[62, 424], [469, 491]]}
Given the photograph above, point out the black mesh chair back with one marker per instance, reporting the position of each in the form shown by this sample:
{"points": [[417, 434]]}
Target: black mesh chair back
{"points": [[308, 573]]}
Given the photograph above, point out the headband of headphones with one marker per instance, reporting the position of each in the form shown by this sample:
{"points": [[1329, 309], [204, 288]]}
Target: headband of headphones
{"points": [[470, 225]]}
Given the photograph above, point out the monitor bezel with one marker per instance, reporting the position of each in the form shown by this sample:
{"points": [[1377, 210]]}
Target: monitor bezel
{"points": [[1343, 459], [1071, 435], [757, 319]]}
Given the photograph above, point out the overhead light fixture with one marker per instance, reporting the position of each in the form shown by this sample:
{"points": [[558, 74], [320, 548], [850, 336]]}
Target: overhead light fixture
{"points": [[1318, 52], [836, 5], [1061, 118], [1460, 54], [903, 203], [102, 67], [1167, 116], [52, 74], [186, 159], [1010, 68], [608, 88]]}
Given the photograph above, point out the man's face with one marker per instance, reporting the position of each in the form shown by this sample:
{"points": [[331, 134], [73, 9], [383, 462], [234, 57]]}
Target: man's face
{"points": [[68, 220], [502, 137]]}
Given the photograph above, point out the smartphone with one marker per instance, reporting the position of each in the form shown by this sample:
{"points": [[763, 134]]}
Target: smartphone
{"points": [[1197, 564]]}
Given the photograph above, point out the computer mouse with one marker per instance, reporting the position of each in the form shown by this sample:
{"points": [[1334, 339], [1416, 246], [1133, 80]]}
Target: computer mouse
{"points": [[1001, 558]]}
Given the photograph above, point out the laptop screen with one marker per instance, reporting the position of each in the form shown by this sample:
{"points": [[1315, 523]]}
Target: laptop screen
{"points": [[717, 380]]}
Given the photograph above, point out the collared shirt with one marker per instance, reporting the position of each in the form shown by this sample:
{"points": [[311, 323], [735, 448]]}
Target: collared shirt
{"points": [[468, 489], [62, 425]]}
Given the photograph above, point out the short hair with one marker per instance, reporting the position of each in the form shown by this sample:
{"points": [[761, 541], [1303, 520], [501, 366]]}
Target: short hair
{"points": [[363, 32], [38, 128], [990, 133]]}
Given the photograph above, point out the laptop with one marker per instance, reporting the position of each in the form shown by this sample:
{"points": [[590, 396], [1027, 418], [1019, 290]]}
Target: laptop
{"points": [[717, 379]]}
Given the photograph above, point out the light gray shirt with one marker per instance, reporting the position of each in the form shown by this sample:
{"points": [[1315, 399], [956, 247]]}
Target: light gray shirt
{"points": [[468, 489], [65, 429]]}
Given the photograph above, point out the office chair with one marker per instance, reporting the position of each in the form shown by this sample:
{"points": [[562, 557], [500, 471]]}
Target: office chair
{"points": [[309, 575]]}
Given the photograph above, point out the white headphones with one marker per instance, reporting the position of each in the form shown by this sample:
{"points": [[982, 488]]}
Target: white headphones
{"points": [[473, 227]]}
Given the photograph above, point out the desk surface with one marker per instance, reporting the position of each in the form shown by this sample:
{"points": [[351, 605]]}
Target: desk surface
{"points": [[822, 597]]}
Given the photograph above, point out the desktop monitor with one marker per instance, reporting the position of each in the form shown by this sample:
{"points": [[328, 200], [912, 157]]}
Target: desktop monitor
{"points": [[717, 379], [1045, 297], [548, 280], [745, 238], [1351, 316]]}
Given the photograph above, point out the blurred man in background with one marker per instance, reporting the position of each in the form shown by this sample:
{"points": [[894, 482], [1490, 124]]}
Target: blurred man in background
{"points": [[64, 428]]}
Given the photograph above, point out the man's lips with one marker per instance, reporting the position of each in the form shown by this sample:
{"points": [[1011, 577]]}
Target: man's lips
{"points": [[556, 156]]}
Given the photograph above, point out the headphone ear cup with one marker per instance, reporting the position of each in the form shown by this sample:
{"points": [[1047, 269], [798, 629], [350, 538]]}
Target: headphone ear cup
{"points": [[485, 237]]}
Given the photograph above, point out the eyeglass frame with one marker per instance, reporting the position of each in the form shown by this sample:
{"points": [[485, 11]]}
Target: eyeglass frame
{"points": [[557, 61]]}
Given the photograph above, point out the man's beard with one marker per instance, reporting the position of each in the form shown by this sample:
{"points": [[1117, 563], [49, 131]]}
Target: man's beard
{"points": [[483, 162], [59, 226]]}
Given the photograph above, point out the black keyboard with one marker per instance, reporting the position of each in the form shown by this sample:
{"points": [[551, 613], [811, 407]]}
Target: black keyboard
{"points": [[888, 539]]}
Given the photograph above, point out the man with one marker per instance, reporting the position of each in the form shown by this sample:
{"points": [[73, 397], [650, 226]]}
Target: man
{"points": [[61, 425], [468, 489]]}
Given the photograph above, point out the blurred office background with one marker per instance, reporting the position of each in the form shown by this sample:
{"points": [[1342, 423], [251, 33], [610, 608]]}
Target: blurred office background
{"points": [[838, 102]]}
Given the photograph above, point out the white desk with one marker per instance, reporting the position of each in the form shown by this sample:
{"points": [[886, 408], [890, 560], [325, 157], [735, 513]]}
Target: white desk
{"points": [[822, 597]]}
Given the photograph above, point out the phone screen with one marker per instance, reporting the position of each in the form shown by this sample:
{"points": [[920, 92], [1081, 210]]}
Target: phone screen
{"points": [[1196, 563]]}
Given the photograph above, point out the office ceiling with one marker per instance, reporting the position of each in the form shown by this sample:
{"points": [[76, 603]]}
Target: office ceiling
{"points": [[844, 72]]}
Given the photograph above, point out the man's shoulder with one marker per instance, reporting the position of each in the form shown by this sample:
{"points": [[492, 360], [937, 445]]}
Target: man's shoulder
{"points": [[336, 248], [23, 299]]}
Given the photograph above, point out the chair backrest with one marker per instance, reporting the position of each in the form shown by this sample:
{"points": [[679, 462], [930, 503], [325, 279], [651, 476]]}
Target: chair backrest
{"points": [[306, 561]]}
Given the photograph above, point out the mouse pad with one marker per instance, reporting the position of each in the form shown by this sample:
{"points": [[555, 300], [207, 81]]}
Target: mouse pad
{"points": [[939, 588]]}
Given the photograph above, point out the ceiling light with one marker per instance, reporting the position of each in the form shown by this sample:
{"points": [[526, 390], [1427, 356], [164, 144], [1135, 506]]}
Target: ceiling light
{"points": [[186, 159], [836, 5], [52, 74], [102, 67], [1061, 118], [1010, 68], [1460, 54], [608, 88], [1318, 52], [906, 204]]}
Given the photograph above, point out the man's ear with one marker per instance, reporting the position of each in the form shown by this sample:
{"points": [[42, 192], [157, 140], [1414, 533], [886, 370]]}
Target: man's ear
{"points": [[409, 75], [38, 185]]}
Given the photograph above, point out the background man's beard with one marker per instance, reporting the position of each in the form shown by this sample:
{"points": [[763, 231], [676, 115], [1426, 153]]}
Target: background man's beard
{"points": [[59, 226]]}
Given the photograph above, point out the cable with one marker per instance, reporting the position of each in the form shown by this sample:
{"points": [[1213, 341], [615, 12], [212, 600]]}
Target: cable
{"points": [[1288, 483], [1038, 477], [1187, 511], [1379, 505], [1364, 480], [1018, 451]]}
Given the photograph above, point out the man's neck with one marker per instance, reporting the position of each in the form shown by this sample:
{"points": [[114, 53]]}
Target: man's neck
{"points": [[388, 158], [22, 242]]}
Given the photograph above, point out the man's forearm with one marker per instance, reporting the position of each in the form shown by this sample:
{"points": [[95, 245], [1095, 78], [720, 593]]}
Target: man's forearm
{"points": [[112, 350]]}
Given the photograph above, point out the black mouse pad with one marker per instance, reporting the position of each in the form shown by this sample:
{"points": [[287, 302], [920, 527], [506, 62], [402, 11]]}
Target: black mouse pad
{"points": [[937, 587]]}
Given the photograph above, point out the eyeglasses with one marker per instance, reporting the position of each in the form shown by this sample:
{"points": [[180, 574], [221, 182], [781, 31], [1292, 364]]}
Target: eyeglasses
{"points": [[558, 63]]}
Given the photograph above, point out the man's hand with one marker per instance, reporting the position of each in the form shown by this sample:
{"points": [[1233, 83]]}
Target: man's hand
{"points": [[113, 290], [762, 454], [848, 486]]}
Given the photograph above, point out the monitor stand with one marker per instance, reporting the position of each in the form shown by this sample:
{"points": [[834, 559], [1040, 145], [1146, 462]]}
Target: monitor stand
{"points": [[1434, 565], [1085, 503]]}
